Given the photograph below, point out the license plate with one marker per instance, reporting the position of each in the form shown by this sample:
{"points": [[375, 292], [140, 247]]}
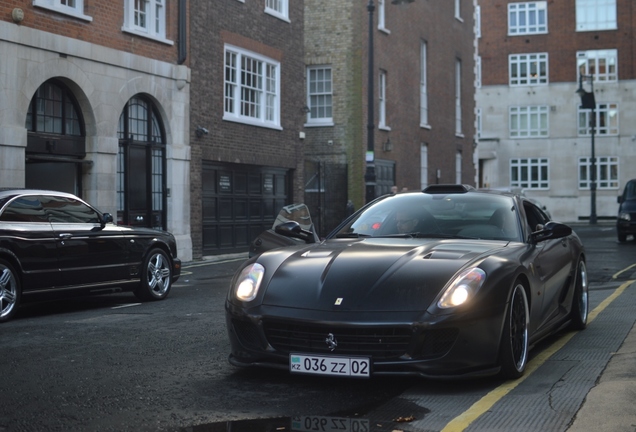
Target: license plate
{"points": [[329, 424], [327, 365]]}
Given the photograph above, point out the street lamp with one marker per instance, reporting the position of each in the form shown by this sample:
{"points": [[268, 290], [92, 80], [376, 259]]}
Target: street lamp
{"points": [[369, 175], [588, 101]]}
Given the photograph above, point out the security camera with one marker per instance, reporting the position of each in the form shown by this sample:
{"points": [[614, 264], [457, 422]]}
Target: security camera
{"points": [[201, 131]]}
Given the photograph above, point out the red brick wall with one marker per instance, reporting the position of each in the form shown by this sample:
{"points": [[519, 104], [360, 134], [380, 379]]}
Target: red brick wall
{"points": [[104, 29], [561, 42]]}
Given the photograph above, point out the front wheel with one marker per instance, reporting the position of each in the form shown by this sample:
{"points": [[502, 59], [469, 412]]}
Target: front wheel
{"points": [[156, 276], [10, 291], [580, 304], [513, 354]]}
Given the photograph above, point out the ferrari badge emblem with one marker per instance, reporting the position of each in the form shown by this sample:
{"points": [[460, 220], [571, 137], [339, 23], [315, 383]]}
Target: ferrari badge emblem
{"points": [[331, 342]]}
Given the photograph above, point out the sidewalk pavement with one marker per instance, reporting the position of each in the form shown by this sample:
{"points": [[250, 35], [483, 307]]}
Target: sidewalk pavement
{"points": [[610, 406]]}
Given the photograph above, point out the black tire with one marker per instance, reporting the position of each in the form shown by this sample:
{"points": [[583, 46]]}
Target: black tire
{"points": [[580, 301], [622, 237], [513, 353], [10, 291], [156, 276]]}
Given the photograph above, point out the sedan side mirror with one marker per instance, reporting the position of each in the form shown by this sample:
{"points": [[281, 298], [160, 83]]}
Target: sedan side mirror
{"points": [[107, 218], [551, 230], [293, 229]]}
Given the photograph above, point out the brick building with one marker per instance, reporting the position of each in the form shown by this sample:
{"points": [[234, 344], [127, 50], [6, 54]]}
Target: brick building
{"points": [[534, 134], [94, 100], [247, 96], [423, 99]]}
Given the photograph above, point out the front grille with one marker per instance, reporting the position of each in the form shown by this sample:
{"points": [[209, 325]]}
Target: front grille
{"points": [[437, 342], [247, 333], [381, 343]]}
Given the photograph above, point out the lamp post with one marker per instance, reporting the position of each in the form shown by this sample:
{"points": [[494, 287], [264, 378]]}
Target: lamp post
{"points": [[588, 101], [369, 175]]}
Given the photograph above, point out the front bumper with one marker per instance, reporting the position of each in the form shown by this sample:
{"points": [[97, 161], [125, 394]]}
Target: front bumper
{"points": [[448, 346]]}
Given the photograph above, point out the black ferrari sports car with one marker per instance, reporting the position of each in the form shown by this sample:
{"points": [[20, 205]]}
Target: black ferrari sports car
{"points": [[449, 282]]}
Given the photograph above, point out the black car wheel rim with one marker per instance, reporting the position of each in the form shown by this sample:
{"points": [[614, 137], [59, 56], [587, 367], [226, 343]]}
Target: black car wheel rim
{"points": [[158, 274], [519, 328], [8, 291]]}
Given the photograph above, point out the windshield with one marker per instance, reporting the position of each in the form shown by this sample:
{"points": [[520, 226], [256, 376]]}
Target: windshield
{"points": [[462, 215]]}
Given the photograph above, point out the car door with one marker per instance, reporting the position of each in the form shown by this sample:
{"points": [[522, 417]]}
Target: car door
{"points": [[89, 251], [552, 263], [27, 234]]}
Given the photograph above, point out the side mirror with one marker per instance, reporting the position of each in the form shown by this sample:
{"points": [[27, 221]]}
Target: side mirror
{"points": [[619, 199], [293, 229], [107, 218], [551, 230]]}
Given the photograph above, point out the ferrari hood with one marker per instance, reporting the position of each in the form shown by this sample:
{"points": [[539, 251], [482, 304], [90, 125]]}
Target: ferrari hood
{"points": [[368, 275]]}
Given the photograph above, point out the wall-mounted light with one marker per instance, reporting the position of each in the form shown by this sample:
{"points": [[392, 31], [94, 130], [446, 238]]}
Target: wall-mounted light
{"points": [[17, 15], [388, 145], [305, 110], [200, 131]]}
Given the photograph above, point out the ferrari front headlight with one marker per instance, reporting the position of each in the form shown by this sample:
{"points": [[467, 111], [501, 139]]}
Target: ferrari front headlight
{"points": [[463, 288], [248, 282]]}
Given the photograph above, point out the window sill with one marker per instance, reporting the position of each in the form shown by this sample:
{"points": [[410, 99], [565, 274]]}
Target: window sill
{"points": [[319, 124], [147, 36], [278, 15], [251, 122], [64, 11]]}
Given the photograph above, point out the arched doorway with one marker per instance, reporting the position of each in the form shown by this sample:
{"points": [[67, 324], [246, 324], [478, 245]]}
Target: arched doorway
{"points": [[56, 145], [141, 165]]}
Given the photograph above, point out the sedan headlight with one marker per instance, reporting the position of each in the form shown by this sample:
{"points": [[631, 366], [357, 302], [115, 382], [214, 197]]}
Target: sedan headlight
{"points": [[248, 282], [463, 288], [624, 216]]}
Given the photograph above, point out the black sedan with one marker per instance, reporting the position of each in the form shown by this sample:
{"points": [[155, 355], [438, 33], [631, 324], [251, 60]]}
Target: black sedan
{"points": [[447, 282], [54, 244]]}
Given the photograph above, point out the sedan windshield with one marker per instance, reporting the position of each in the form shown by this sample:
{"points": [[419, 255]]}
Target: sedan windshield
{"points": [[470, 215]]}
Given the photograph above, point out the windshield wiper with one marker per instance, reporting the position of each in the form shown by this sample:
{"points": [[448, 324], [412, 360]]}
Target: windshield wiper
{"points": [[352, 235]]}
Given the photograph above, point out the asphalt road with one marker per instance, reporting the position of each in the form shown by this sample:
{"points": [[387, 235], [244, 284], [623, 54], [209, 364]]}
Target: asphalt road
{"points": [[110, 364]]}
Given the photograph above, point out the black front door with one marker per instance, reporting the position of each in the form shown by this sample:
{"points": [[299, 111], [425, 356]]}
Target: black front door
{"points": [[141, 196]]}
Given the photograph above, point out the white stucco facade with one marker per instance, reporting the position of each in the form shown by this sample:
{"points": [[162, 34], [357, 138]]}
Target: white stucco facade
{"points": [[562, 147], [102, 80]]}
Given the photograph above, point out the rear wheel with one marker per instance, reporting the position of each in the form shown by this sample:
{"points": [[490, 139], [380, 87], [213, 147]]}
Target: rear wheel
{"points": [[10, 291], [513, 355], [156, 276], [580, 304]]}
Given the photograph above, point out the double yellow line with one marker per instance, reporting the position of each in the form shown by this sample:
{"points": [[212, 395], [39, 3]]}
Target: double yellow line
{"points": [[480, 407]]}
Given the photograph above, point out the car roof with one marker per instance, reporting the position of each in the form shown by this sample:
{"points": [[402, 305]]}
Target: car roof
{"points": [[13, 192]]}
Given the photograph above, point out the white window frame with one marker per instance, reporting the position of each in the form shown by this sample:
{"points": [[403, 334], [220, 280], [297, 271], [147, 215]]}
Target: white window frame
{"points": [[458, 167], [458, 10], [527, 18], [458, 97], [382, 123], [423, 166], [529, 121], [601, 64], [477, 21], [265, 90], [62, 6], [381, 15], [531, 69], [606, 123], [320, 96], [531, 173], [278, 8], [478, 122], [594, 15], [424, 85], [154, 26], [607, 174]]}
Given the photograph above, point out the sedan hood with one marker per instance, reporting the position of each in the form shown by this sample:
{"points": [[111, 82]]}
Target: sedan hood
{"points": [[368, 275]]}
